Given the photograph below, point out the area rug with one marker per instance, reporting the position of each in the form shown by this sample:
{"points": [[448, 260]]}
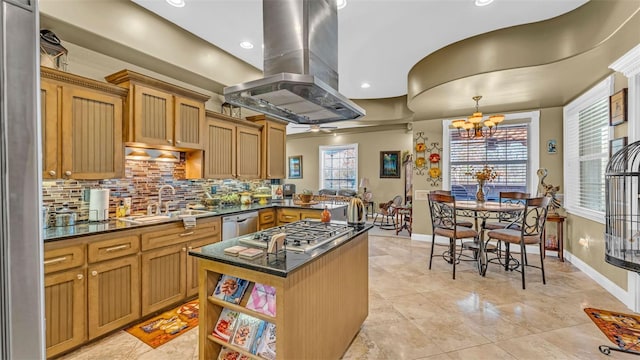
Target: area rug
{"points": [[622, 329], [168, 325]]}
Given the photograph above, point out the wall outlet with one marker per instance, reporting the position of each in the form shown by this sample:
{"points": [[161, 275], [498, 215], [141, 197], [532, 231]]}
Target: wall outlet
{"points": [[421, 195]]}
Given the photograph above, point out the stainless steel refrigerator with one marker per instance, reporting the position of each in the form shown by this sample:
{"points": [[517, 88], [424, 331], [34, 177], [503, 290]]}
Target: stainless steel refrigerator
{"points": [[21, 275]]}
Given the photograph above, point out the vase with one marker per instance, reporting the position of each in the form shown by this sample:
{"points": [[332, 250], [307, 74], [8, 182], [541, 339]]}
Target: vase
{"points": [[480, 192]]}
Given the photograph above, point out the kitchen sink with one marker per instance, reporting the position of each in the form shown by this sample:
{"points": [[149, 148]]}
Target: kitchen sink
{"points": [[145, 219], [178, 214]]}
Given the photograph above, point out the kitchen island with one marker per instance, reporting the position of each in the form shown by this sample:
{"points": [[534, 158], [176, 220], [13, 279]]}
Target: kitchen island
{"points": [[321, 294]]}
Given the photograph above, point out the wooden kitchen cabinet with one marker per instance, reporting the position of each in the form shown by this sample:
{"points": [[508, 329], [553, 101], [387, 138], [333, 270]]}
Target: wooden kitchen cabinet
{"points": [[289, 215], [82, 127], [266, 219], [273, 147], [167, 276], [232, 148], [160, 114]]}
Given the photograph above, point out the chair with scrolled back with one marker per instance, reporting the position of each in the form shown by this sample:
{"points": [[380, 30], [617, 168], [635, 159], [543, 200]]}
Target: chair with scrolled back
{"points": [[387, 213], [326, 192], [444, 222], [464, 223], [531, 228]]}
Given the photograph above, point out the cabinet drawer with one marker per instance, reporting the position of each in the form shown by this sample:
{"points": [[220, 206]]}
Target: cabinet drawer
{"points": [[169, 234], [63, 258], [113, 248], [267, 217], [288, 215], [310, 214]]}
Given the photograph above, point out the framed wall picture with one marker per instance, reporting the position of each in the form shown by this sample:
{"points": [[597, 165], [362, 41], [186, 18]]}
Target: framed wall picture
{"points": [[295, 167], [390, 164], [618, 107], [552, 146], [616, 144]]}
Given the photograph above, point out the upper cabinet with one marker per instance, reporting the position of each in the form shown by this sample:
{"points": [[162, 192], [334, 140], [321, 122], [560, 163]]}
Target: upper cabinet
{"points": [[232, 148], [160, 114], [274, 142], [81, 127]]}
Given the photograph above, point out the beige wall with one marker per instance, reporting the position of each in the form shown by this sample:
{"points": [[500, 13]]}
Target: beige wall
{"points": [[369, 146]]}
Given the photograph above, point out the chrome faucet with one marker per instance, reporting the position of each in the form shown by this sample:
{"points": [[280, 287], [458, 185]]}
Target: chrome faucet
{"points": [[173, 191]]}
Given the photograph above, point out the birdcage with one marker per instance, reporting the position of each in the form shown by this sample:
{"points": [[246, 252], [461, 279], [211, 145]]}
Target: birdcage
{"points": [[622, 208]]}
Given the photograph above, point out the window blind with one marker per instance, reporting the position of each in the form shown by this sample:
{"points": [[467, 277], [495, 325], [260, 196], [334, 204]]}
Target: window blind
{"points": [[506, 152], [586, 141]]}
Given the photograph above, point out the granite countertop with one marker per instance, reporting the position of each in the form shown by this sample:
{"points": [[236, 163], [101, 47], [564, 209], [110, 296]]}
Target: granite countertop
{"points": [[92, 228], [280, 265]]}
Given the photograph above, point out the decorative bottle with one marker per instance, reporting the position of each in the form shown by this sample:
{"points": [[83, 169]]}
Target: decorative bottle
{"points": [[326, 215]]}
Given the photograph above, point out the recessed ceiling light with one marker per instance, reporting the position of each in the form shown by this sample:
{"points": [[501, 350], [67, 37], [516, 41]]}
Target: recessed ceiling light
{"points": [[176, 3], [483, 2], [341, 4], [246, 45], [365, 85]]}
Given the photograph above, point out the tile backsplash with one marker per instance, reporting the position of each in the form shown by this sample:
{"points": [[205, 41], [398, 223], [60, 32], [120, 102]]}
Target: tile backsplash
{"points": [[141, 183]]}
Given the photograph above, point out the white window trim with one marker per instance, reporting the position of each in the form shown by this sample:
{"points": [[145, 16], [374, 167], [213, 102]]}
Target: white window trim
{"points": [[322, 148], [570, 113], [533, 144]]}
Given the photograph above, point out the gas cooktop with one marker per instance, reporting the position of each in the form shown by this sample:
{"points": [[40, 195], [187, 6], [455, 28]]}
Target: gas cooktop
{"points": [[302, 236]]}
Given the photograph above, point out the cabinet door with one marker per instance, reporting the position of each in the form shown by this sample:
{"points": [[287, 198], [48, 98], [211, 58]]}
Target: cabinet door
{"points": [[276, 143], [248, 153], [49, 97], [220, 151], [189, 123], [153, 116], [163, 277], [310, 214], [192, 264], [113, 294], [65, 310], [92, 145]]}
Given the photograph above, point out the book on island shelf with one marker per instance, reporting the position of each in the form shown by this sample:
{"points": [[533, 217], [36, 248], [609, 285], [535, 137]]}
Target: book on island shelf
{"points": [[262, 299], [230, 289], [229, 354], [246, 332], [225, 325], [266, 344]]}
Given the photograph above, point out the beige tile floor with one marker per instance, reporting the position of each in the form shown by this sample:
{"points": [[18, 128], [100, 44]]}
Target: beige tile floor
{"points": [[416, 313]]}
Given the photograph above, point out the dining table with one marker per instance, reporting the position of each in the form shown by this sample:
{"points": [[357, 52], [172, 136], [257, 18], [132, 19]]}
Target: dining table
{"points": [[480, 211]]}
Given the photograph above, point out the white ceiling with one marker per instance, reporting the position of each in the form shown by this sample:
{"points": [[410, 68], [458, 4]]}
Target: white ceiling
{"points": [[378, 40]]}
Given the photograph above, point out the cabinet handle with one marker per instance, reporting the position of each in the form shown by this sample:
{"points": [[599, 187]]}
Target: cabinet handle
{"points": [[190, 248], [187, 234], [184, 249], [52, 173], [116, 248], [55, 261], [169, 141], [94, 273], [67, 173], [178, 141], [80, 276]]}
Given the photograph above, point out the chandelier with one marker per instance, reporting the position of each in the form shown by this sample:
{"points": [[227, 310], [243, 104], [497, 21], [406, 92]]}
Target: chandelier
{"points": [[475, 126]]}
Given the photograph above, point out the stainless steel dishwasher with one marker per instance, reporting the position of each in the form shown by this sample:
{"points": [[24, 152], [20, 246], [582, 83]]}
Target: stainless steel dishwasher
{"points": [[240, 224]]}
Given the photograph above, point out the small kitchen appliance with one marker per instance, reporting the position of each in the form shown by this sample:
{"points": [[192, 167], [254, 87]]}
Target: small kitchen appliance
{"points": [[355, 212], [98, 204]]}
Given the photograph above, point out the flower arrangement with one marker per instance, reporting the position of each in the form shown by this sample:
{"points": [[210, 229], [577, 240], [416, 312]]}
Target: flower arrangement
{"points": [[483, 175]]}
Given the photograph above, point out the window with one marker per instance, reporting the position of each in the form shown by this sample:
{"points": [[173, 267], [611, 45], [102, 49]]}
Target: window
{"points": [[513, 151], [506, 152], [339, 167], [586, 139]]}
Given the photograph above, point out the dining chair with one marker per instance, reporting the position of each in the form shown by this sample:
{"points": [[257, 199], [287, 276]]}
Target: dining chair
{"points": [[507, 219], [464, 223], [387, 213], [444, 223], [532, 224]]}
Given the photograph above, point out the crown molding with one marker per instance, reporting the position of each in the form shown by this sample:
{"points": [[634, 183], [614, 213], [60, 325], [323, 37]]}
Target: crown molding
{"points": [[629, 63]]}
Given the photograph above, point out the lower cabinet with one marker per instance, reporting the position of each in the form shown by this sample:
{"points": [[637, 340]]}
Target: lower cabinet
{"points": [[113, 294], [289, 215], [168, 276], [266, 219], [65, 310]]}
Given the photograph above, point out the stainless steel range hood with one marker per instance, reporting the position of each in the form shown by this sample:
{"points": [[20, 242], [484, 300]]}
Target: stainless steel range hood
{"points": [[300, 66]]}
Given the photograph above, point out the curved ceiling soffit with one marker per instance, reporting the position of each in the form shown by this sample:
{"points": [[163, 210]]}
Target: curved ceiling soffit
{"points": [[385, 110], [533, 46]]}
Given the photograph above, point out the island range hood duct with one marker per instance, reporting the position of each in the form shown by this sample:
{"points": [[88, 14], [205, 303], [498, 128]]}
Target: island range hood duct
{"points": [[300, 66]]}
